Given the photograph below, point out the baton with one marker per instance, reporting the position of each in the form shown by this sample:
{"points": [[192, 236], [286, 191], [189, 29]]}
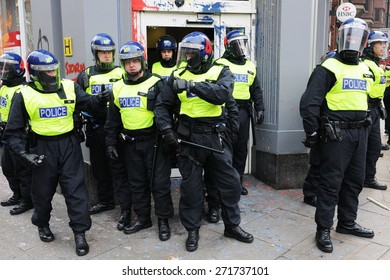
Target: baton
{"points": [[200, 146]]}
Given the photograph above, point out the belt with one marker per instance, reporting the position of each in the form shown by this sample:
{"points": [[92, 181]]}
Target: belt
{"points": [[208, 128], [350, 125], [139, 138], [54, 138]]}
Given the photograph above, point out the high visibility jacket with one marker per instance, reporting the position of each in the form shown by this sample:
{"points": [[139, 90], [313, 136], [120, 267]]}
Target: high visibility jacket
{"points": [[132, 103], [164, 72], [6, 94], [244, 75], [191, 104], [379, 84], [49, 114], [353, 84], [96, 82], [387, 73]]}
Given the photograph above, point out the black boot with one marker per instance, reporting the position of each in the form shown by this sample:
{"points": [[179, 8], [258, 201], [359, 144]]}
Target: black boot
{"points": [[82, 247], [213, 214], [374, 184], [244, 191], [164, 232], [124, 220], [311, 200], [323, 240], [23, 206], [354, 229], [239, 234], [137, 225], [45, 234], [13, 200], [100, 207], [192, 240]]}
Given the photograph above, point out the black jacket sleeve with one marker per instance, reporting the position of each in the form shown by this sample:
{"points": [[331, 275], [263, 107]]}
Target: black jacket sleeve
{"points": [[15, 131], [216, 93], [320, 83], [113, 125], [257, 95], [165, 106], [88, 102]]}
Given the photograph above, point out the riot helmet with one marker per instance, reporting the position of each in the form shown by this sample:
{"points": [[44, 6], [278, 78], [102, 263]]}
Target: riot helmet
{"points": [[44, 71], [167, 42], [102, 42], [11, 66], [132, 50], [196, 51], [236, 44], [353, 34]]}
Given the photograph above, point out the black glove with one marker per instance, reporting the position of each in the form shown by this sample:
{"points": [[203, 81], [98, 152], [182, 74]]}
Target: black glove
{"points": [[80, 134], [180, 84], [112, 153], [31, 160], [382, 112], [311, 140], [260, 117], [105, 95], [170, 137]]}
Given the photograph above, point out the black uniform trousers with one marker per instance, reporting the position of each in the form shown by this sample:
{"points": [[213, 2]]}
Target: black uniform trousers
{"points": [[386, 103], [374, 144], [120, 179], [63, 165], [100, 163], [240, 148], [139, 164], [311, 183], [192, 162], [18, 177], [212, 196], [342, 169]]}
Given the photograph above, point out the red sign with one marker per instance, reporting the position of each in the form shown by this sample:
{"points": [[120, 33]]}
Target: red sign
{"points": [[11, 39]]}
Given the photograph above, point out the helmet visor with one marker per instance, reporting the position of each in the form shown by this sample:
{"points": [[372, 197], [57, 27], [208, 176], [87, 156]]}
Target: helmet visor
{"points": [[353, 39], [239, 47], [7, 68], [48, 80], [189, 54]]}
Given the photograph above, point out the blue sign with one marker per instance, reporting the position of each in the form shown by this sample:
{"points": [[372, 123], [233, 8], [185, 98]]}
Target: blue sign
{"points": [[241, 78], [55, 112], [130, 102], [354, 84], [3, 102]]}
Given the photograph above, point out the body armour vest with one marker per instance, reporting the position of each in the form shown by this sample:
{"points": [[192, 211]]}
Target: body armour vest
{"points": [[387, 77], [351, 88], [379, 84], [244, 75], [164, 72], [6, 94], [49, 114], [132, 103], [97, 81], [191, 104]]}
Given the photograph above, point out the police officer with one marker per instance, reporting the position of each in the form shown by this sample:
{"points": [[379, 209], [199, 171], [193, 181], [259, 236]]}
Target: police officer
{"points": [[109, 175], [19, 178], [334, 112], [372, 55], [247, 92], [202, 88], [166, 47], [54, 151], [131, 119], [311, 183]]}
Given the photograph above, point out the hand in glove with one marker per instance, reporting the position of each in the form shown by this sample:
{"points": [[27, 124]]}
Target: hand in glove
{"points": [[105, 95], [112, 153], [31, 160], [311, 140], [180, 84], [170, 137], [260, 117]]}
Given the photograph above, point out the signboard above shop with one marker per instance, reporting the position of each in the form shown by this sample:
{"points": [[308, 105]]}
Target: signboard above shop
{"points": [[345, 11]]}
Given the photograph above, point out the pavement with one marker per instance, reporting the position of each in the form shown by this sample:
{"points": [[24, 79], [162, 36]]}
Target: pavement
{"points": [[283, 227]]}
